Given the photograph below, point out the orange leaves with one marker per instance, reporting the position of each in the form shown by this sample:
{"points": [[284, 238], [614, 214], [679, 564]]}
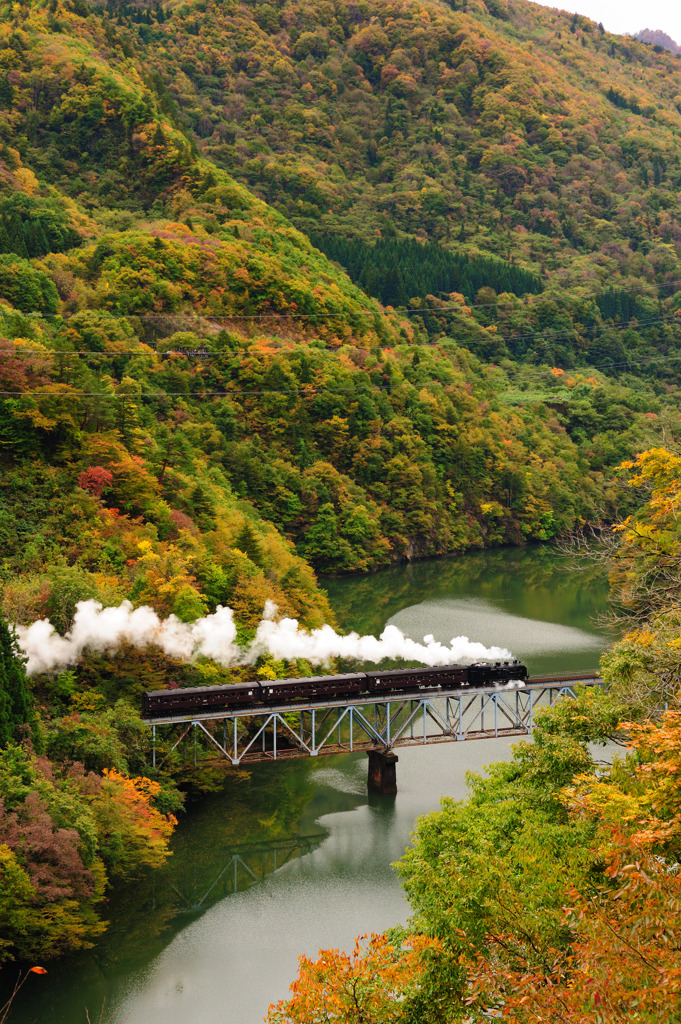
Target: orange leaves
{"points": [[369, 985]]}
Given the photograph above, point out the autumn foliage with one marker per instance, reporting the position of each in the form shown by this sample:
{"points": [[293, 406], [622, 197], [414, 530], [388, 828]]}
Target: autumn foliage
{"points": [[127, 820], [623, 960], [198, 407], [367, 986]]}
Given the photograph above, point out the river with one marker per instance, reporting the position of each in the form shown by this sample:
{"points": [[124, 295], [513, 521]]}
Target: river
{"points": [[293, 857]]}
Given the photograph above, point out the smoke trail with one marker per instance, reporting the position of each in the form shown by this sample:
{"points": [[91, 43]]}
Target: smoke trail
{"points": [[101, 630], [284, 639], [106, 629]]}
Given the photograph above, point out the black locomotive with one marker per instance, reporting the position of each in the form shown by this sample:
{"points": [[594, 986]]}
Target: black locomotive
{"points": [[325, 688]]}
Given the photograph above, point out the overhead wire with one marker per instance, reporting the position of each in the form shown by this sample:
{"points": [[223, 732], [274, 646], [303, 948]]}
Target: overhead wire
{"points": [[527, 300], [148, 351], [549, 334], [309, 388]]}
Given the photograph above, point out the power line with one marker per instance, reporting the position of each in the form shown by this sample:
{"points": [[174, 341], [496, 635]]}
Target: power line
{"points": [[387, 311], [304, 389], [307, 389], [523, 373], [548, 334]]}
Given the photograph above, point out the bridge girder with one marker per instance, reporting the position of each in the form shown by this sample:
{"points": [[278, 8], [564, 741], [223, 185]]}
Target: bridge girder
{"points": [[245, 736]]}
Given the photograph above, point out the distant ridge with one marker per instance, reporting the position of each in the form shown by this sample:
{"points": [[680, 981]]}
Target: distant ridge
{"points": [[658, 38]]}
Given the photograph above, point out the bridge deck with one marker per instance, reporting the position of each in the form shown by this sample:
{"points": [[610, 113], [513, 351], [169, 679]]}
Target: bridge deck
{"points": [[255, 734]]}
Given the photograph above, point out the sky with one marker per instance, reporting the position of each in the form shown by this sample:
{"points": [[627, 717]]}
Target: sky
{"points": [[628, 16]]}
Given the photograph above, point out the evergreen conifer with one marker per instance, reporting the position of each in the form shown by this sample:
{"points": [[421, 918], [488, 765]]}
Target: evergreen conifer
{"points": [[16, 712]]}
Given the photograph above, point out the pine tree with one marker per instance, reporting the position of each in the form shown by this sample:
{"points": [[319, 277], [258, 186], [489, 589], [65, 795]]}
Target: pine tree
{"points": [[15, 230], [40, 241], [16, 712], [247, 541]]}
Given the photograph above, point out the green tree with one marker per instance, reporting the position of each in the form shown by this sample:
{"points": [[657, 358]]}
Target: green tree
{"points": [[500, 862], [17, 717], [323, 544], [27, 288]]}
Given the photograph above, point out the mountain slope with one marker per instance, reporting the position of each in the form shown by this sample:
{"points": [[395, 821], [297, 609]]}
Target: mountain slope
{"points": [[198, 407], [204, 352], [515, 129]]}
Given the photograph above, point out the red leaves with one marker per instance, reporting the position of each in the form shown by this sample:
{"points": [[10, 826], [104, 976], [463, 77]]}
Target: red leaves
{"points": [[22, 368], [49, 854], [95, 480]]}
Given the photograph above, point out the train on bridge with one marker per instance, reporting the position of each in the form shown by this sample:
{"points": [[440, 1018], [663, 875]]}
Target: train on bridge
{"points": [[312, 689]]}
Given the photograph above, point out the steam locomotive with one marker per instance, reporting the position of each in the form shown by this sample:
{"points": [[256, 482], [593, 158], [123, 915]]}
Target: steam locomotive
{"points": [[241, 696]]}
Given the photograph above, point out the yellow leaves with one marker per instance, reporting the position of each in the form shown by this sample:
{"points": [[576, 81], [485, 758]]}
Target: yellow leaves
{"points": [[643, 637], [652, 537], [147, 553], [125, 809], [27, 180], [491, 509], [657, 465]]}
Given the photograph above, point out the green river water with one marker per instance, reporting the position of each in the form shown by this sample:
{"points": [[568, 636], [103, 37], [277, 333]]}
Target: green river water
{"points": [[293, 857]]}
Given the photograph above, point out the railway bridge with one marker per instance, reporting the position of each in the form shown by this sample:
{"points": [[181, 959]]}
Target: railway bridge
{"points": [[244, 736]]}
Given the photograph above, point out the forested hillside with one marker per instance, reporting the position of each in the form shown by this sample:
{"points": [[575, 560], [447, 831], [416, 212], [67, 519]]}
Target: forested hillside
{"points": [[177, 346], [199, 407], [522, 131]]}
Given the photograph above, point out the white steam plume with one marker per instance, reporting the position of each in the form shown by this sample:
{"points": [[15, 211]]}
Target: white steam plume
{"points": [[283, 638], [105, 629]]}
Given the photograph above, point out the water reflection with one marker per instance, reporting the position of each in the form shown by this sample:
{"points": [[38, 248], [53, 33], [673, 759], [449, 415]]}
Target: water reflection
{"points": [[241, 867], [541, 645], [261, 822], [536, 582]]}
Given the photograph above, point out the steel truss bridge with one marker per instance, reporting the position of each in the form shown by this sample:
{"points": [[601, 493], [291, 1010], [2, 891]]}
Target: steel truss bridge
{"points": [[247, 735]]}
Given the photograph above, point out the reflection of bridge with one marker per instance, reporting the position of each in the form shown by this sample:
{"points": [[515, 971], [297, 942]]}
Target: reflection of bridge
{"points": [[244, 866], [244, 736]]}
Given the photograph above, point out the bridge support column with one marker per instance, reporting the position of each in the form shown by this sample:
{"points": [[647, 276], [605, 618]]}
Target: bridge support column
{"points": [[382, 774]]}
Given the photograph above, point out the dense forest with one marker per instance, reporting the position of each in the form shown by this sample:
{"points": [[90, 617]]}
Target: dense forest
{"points": [[294, 289], [505, 129]]}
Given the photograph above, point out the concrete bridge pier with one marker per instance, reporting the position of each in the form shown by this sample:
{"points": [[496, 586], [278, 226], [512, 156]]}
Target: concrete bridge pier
{"points": [[382, 775]]}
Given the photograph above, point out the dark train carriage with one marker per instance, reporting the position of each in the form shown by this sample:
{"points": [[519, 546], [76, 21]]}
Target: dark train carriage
{"points": [[198, 698], [257, 693], [425, 678], [275, 691]]}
